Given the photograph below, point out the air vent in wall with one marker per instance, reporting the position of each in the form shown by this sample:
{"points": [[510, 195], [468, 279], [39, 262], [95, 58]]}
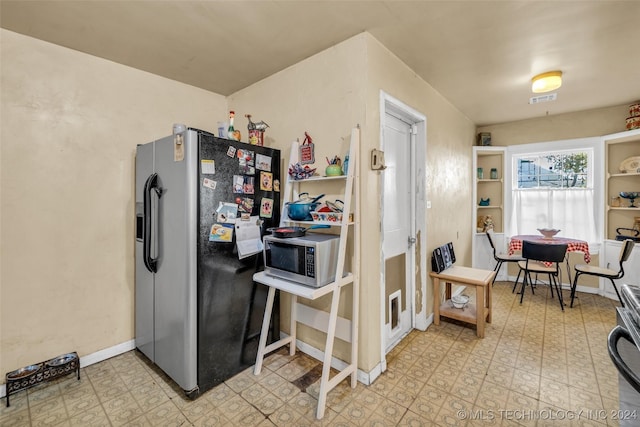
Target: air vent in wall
{"points": [[543, 98]]}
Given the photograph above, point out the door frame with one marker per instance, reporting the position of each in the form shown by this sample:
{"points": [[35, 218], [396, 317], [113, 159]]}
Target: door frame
{"points": [[389, 104]]}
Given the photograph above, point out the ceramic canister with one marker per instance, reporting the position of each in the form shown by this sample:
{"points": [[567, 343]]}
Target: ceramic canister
{"points": [[634, 110], [633, 123]]}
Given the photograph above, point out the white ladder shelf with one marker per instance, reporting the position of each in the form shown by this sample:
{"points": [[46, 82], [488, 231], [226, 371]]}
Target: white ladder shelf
{"points": [[330, 323]]}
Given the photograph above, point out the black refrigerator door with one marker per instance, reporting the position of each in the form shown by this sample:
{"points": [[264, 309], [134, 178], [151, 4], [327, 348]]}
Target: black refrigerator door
{"points": [[230, 304]]}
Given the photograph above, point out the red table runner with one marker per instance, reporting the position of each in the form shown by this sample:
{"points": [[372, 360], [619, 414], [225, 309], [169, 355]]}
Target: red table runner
{"points": [[573, 245]]}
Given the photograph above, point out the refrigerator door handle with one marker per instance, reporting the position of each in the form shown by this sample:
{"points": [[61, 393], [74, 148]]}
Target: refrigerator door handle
{"points": [[150, 185]]}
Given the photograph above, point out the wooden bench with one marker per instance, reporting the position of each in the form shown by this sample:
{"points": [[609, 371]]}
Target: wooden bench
{"points": [[473, 313]]}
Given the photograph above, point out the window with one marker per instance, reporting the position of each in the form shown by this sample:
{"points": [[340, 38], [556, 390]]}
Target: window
{"points": [[554, 170], [554, 189]]}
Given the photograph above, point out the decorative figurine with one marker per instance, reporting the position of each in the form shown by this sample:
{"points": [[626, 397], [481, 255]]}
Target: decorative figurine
{"points": [[232, 133], [256, 131], [488, 223]]}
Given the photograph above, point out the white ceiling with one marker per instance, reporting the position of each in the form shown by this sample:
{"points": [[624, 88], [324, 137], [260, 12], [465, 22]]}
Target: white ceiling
{"points": [[480, 55]]}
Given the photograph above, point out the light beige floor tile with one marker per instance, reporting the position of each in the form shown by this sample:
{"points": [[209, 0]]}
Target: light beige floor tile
{"points": [[42, 392], [554, 393], [402, 396], [444, 379], [213, 419], [109, 387], [197, 409], [149, 395], [219, 394], [526, 382], [382, 385], [490, 402], [92, 417], [581, 399], [166, 414], [467, 387], [534, 357], [426, 407], [122, 409], [551, 416], [449, 418], [18, 402], [254, 393], [500, 374], [248, 418], [135, 378], [337, 399], [377, 420], [285, 417], [16, 418], [241, 381], [479, 416], [411, 419], [341, 421], [80, 404], [280, 387], [356, 413], [269, 403], [48, 412]]}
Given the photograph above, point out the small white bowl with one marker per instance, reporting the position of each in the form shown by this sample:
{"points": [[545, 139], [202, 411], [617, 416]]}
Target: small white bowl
{"points": [[548, 233], [459, 301]]}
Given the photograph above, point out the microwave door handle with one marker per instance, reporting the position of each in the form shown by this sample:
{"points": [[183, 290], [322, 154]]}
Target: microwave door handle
{"points": [[150, 263], [612, 345]]}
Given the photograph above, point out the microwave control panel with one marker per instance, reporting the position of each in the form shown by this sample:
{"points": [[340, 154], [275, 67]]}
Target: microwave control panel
{"points": [[310, 261]]}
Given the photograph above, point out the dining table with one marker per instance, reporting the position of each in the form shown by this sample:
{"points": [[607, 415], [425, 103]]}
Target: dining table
{"points": [[573, 245]]}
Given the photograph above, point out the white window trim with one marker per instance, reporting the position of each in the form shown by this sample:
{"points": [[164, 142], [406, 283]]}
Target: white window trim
{"points": [[594, 143]]}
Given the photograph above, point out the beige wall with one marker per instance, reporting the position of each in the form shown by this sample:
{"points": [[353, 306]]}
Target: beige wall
{"points": [[583, 124], [450, 136], [324, 96], [70, 125], [330, 93]]}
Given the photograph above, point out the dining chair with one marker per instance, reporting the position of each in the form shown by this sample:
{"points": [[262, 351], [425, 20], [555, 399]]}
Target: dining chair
{"points": [[501, 258], [592, 270], [535, 256]]}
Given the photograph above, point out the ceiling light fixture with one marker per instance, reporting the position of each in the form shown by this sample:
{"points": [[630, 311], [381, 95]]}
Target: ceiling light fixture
{"points": [[546, 82]]}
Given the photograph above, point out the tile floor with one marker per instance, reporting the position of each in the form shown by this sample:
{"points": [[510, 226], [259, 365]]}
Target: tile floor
{"points": [[534, 366]]}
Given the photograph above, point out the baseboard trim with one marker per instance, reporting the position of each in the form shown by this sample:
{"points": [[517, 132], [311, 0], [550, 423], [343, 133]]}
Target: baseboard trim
{"points": [[92, 358]]}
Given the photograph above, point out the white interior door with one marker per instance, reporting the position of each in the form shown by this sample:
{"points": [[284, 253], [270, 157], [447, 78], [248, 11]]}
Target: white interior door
{"points": [[398, 227]]}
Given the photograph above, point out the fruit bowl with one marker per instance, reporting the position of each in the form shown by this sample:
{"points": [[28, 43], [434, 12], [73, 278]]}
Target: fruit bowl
{"points": [[548, 233], [631, 195]]}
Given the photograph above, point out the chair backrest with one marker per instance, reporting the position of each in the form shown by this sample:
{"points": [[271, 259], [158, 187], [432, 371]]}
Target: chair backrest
{"points": [[625, 253], [625, 250], [546, 252], [490, 237]]}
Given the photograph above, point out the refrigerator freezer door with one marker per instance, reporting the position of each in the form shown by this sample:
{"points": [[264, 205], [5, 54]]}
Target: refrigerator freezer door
{"points": [[230, 304], [175, 282], [144, 278]]}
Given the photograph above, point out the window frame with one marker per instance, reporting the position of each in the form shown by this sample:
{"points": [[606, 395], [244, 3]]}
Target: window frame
{"points": [[568, 145]]}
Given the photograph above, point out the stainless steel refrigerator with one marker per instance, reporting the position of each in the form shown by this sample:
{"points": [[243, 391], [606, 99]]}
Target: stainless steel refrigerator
{"points": [[197, 310]]}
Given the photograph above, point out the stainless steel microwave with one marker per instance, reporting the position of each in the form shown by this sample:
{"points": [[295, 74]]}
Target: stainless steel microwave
{"points": [[310, 259]]}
